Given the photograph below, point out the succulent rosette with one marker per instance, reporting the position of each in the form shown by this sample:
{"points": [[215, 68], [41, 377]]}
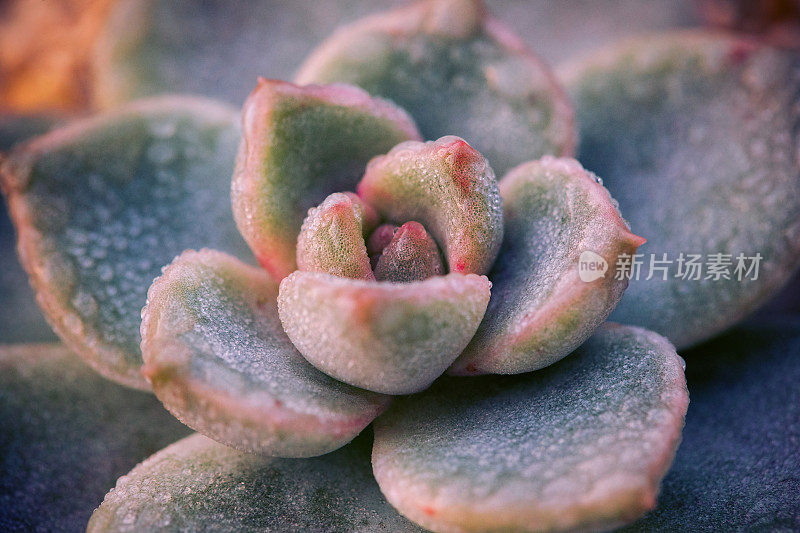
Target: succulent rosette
{"points": [[404, 244]]}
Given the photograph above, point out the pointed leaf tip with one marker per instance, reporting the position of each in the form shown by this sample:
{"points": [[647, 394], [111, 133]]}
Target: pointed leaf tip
{"points": [[448, 187]]}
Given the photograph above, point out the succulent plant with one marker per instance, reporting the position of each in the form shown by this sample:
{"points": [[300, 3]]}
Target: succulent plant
{"points": [[365, 266]]}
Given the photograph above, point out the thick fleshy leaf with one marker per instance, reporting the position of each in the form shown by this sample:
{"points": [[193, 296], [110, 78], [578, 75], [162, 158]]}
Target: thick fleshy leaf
{"points": [[736, 469], [411, 255], [696, 135], [153, 46], [217, 357], [102, 204], [216, 48], [21, 319], [546, 301], [197, 484], [67, 435], [456, 70], [394, 338], [448, 187], [332, 237], [581, 445], [300, 145]]}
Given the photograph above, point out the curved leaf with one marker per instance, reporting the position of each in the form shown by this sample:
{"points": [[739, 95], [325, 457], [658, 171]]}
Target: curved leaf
{"points": [[394, 338], [197, 483], [300, 145], [696, 135], [102, 204], [456, 70], [738, 461], [582, 445], [546, 301], [21, 319], [332, 237], [448, 187], [218, 359]]}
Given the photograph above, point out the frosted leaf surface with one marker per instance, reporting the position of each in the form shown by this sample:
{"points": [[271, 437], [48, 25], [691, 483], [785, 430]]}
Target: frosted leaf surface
{"points": [[197, 484], [581, 445], [394, 338], [300, 145], [696, 135], [217, 357], [558, 218], [738, 461], [102, 204], [456, 70], [332, 237], [411, 255], [66, 435], [449, 188]]}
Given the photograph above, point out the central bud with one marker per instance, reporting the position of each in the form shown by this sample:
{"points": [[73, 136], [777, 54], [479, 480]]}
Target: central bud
{"points": [[404, 254], [441, 212]]}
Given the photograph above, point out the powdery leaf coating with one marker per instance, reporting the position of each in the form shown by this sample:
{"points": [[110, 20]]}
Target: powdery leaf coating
{"points": [[197, 484], [738, 461], [332, 237], [448, 187], [696, 134], [102, 204], [581, 445], [67, 435], [411, 255], [218, 359], [557, 215], [300, 145], [394, 338], [455, 69]]}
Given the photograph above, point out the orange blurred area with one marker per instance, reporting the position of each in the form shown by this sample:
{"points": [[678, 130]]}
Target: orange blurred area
{"points": [[45, 48]]}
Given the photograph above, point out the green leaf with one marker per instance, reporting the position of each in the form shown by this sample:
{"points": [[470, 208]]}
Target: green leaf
{"points": [[218, 359], [546, 301], [581, 445], [696, 135], [449, 188], [394, 338], [300, 145], [456, 70], [332, 237], [411, 255], [102, 204], [197, 484]]}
